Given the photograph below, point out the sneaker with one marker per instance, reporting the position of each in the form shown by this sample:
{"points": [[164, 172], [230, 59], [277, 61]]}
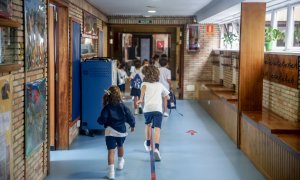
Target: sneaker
{"points": [[157, 156], [121, 164], [140, 110], [111, 174], [166, 114], [136, 112], [148, 148]]}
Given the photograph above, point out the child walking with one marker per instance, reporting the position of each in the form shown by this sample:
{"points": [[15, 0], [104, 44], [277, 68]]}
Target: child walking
{"points": [[113, 116], [165, 79], [122, 76], [151, 94], [136, 82]]}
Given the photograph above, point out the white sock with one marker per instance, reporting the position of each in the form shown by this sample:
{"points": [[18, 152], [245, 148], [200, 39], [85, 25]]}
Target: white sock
{"points": [[120, 159], [111, 167]]}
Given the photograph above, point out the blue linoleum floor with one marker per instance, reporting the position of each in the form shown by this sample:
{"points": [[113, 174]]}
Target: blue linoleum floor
{"points": [[207, 155]]}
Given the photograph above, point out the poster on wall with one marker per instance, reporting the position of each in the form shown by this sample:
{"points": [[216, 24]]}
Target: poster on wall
{"points": [[35, 115], [5, 127], [160, 46], [90, 24], [35, 34]]}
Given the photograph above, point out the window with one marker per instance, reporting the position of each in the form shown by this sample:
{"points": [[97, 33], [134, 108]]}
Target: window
{"points": [[268, 20], [296, 34], [281, 23]]}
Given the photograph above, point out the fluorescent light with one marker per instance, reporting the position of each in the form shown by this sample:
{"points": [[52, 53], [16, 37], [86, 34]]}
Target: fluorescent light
{"points": [[151, 11]]}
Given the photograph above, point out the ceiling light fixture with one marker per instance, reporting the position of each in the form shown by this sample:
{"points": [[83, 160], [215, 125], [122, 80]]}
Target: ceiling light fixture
{"points": [[151, 11]]}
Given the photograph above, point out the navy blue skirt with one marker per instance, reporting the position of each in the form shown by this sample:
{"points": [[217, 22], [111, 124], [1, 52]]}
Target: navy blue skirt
{"points": [[135, 92]]}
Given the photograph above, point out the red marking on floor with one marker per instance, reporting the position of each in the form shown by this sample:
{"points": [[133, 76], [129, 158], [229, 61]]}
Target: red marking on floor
{"points": [[192, 132]]}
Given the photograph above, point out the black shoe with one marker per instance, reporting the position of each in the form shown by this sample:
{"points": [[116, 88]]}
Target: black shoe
{"points": [[140, 110]]}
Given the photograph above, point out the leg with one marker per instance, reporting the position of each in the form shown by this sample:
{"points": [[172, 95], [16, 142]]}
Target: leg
{"points": [[136, 98], [111, 155], [148, 131], [121, 160], [120, 151], [165, 103], [156, 135]]}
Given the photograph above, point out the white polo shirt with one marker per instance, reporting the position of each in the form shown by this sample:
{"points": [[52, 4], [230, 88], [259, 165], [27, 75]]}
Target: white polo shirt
{"points": [[153, 94]]}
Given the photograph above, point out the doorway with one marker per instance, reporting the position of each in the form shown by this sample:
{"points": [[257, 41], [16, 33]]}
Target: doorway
{"points": [[58, 76]]}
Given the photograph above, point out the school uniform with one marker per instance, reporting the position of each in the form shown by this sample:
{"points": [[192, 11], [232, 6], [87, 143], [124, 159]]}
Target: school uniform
{"points": [[122, 75], [136, 91], [114, 117], [153, 103]]}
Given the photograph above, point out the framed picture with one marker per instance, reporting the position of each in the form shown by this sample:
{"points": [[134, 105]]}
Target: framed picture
{"points": [[160, 45], [6, 9], [90, 24], [193, 34], [35, 34], [35, 115]]}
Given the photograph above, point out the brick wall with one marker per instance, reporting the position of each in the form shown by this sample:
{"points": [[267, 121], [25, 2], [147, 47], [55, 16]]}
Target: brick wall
{"points": [[228, 75], [198, 65], [281, 99], [33, 167]]}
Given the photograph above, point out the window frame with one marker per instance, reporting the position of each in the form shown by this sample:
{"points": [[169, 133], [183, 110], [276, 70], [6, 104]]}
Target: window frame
{"points": [[289, 34]]}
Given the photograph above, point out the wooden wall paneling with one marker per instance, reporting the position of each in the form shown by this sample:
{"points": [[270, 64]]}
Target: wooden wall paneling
{"points": [[251, 56], [51, 78], [271, 158], [62, 67]]}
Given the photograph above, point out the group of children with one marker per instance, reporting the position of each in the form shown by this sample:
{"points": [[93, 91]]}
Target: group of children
{"points": [[149, 86]]}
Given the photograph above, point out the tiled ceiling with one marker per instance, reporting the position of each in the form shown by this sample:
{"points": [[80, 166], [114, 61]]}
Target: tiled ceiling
{"points": [[139, 7]]}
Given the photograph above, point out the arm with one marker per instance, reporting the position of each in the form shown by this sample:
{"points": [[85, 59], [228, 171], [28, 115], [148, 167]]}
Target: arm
{"points": [[141, 100], [169, 79], [165, 92], [103, 118], [129, 118]]}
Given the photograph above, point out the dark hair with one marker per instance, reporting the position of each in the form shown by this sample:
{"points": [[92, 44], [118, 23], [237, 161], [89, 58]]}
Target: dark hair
{"points": [[155, 56], [145, 60], [121, 65], [163, 56], [163, 62], [151, 74], [112, 96], [137, 63]]}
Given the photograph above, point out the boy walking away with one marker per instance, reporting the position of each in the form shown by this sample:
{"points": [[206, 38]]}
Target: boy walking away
{"points": [[165, 79], [113, 116], [151, 94], [122, 76], [136, 82]]}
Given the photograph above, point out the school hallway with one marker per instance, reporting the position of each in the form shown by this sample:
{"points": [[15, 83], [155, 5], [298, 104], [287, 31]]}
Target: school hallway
{"points": [[208, 154]]}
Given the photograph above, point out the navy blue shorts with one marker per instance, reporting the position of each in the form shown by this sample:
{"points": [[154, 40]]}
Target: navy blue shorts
{"points": [[135, 92], [153, 117], [112, 142], [122, 87]]}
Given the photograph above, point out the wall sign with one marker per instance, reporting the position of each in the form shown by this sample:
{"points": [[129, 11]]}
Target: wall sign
{"points": [[282, 69]]}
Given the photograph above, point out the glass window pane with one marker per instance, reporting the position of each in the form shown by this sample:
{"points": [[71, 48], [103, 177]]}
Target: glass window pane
{"points": [[281, 20], [297, 26], [268, 20]]}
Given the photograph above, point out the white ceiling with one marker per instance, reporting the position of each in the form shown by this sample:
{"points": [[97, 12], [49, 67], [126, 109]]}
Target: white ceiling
{"points": [[138, 7]]}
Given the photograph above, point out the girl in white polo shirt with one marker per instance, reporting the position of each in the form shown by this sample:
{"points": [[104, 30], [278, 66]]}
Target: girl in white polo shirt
{"points": [[151, 93]]}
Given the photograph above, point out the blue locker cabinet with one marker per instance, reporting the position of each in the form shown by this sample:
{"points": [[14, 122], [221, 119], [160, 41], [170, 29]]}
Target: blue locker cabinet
{"points": [[96, 75]]}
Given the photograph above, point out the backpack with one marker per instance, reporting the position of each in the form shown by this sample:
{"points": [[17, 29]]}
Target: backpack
{"points": [[136, 82], [172, 102]]}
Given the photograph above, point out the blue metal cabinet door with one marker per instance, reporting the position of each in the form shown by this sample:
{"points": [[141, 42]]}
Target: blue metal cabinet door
{"points": [[76, 75], [96, 77]]}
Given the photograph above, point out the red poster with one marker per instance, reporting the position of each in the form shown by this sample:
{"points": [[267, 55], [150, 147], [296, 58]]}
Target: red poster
{"points": [[160, 44]]}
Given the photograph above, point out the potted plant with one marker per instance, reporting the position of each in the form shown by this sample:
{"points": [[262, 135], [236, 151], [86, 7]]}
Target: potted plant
{"points": [[297, 36], [229, 38], [272, 35]]}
